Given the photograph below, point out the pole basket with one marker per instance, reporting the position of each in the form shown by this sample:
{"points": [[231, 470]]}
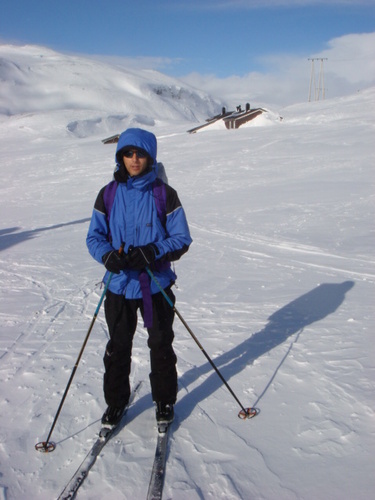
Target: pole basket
{"points": [[45, 446], [246, 413]]}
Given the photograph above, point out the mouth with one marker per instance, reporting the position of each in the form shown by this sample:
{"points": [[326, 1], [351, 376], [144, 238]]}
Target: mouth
{"points": [[134, 169]]}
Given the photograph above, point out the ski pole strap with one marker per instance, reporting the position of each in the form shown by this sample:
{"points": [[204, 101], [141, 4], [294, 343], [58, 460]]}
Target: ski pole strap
{"points": [[144, 282]]}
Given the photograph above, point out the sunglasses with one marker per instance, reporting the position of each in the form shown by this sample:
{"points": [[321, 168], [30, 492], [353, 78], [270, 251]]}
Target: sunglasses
{"points": [[131, 152]]}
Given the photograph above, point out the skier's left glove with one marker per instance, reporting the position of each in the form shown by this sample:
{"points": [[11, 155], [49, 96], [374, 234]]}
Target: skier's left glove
{"points": [[141, 257]]}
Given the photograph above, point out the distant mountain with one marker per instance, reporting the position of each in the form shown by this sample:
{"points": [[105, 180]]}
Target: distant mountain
{"points": [[37, 79]]}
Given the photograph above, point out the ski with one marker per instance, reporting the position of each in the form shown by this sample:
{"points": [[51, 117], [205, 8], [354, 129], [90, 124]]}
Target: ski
{"points": [[155, 488], [70, 490]]}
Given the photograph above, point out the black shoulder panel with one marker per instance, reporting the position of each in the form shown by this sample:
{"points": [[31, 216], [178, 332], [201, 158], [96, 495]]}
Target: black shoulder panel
{"points": [[99, 202]]}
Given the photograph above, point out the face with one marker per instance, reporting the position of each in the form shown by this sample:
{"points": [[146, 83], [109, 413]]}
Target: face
{"points": [[135, 164]]}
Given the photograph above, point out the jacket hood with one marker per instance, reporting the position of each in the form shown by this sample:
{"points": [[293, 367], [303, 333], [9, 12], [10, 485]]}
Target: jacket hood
{"points": [[137, 138]]}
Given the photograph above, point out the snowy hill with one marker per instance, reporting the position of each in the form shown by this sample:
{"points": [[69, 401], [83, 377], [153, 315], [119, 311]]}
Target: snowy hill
{"points": [[35, 79], [278, 286]]}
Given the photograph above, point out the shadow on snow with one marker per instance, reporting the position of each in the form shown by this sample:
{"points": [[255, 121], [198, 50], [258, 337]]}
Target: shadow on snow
{"points": [[10, 237], [290, 319], [311, 307]]}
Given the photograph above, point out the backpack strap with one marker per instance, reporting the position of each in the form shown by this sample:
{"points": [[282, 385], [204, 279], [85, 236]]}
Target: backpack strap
{"points": [[108, 197], [160, 196]]}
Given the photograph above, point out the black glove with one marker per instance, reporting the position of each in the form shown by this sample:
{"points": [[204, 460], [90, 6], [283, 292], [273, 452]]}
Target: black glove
{"points": [[115, 262], [140, 257]]}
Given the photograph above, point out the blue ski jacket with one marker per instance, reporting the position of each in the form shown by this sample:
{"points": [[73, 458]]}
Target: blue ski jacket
{"points": [[134, 220]]}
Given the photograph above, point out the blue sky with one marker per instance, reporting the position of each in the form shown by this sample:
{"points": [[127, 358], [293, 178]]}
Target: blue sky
{"points": [[225, 39], [206, 36]]}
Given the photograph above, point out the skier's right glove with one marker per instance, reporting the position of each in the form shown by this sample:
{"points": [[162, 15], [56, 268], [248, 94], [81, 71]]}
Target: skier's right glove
{"points": [[115, 262]]}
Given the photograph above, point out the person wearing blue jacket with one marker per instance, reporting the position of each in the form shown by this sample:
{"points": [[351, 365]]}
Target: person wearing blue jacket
{"points": [[128, 233]]}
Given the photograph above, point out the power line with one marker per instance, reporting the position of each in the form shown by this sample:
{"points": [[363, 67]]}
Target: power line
{"points": [[320, 89]]}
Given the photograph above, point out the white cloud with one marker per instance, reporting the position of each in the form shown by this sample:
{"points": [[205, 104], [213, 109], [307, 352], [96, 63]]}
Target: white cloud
{"points": [[352, 57], [350, 66]]}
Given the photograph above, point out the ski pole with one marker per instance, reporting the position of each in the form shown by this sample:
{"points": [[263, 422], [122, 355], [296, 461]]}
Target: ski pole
{"points": [[47, 445], [244, 413]]}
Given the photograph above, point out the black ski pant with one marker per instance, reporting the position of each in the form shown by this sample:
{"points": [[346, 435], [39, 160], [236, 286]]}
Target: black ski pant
{"points": [[121, 318]]}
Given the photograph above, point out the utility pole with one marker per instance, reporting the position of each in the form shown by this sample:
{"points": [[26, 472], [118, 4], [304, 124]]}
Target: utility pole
{"points": [[321, 88]]}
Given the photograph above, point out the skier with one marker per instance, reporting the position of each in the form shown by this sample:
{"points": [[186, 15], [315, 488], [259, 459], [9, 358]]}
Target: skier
{"points": [[152, 233]]}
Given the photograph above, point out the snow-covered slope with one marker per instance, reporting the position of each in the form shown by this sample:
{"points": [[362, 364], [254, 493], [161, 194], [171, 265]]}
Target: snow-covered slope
{"points": [[278, 286], [35, 79]]}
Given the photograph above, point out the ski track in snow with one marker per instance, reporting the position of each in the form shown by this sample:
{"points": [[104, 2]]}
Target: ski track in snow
{"points": [[287, 249], [278, 286]]}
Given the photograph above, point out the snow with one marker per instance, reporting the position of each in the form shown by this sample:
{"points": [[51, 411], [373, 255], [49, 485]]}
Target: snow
{"points": [[278, 286]]}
